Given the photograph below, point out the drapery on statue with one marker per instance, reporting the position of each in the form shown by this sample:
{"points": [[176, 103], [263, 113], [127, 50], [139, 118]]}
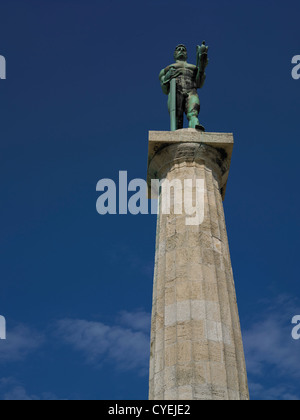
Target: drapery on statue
{"points": [[180, 81]]}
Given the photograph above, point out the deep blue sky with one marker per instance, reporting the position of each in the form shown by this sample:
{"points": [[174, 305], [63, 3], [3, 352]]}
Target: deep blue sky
{"points": [[81, 93]]}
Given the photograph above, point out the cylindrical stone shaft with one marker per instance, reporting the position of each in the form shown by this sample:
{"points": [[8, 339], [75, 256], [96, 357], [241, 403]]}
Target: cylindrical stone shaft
{"points": [[196, 342]]}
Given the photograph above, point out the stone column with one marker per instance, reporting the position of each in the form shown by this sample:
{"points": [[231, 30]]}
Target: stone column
{"points": [[196, 342]]}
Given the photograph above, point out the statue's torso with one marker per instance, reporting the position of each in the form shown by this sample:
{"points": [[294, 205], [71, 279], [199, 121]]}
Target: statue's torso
{"points": [[187, 80]]}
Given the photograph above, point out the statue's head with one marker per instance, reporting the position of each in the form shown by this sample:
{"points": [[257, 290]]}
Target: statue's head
{"points": [[180, 52]]}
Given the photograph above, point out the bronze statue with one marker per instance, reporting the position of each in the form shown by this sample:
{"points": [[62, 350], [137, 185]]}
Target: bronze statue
{"points": [[180, 81]]}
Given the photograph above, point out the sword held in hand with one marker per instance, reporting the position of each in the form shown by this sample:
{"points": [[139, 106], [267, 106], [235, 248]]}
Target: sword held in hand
{"points": [[173, 104]]}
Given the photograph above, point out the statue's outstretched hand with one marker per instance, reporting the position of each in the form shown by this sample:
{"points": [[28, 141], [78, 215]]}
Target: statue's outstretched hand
{"points": [[202, 59]]}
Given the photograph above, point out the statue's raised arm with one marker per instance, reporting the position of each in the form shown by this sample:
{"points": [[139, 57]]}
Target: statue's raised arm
{"points": [[202, 61]]}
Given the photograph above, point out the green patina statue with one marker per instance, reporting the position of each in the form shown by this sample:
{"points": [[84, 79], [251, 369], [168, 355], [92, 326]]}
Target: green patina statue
{"points": [[180, 81]]}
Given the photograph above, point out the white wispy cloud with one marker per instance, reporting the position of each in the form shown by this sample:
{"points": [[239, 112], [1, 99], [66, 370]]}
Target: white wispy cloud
{"points": [[20, 341], [18, 393], [271, 353], [284, 392], [125, 344], [12, 390], [140, 320]]}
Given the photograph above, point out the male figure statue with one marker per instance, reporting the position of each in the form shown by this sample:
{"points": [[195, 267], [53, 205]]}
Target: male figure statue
{"points": [[187, 78]]}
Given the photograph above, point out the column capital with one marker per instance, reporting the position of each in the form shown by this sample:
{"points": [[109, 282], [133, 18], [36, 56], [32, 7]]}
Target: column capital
{"points": [[167, 148]]}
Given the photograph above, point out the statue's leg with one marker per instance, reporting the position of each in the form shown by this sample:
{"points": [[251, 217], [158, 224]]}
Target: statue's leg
{"points": [[193, 109]]}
